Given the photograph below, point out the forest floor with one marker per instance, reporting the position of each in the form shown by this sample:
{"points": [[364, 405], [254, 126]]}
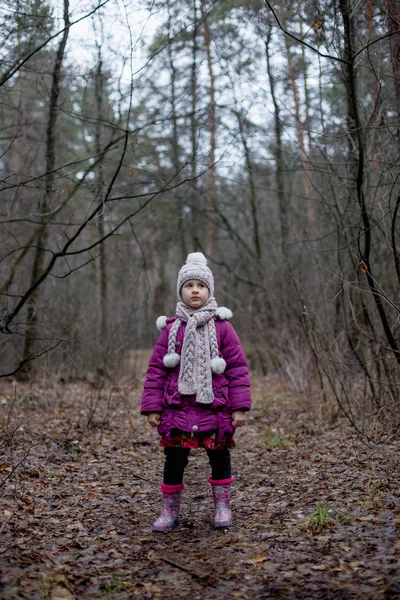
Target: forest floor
{"points": [[80, 473]]}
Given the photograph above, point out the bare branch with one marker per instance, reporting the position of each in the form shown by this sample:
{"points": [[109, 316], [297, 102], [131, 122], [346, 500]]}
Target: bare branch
{"points": [[286, 32], [16, 68]]}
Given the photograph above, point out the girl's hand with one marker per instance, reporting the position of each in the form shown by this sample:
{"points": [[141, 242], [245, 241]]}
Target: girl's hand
{"points": [[238, 418], [154, 419]]}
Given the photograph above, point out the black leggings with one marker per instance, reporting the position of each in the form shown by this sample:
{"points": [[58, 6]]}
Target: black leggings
{"points": [[176, 460]]}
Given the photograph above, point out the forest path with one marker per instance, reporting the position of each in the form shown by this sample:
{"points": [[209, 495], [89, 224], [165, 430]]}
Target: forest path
{"points": [[77, 512]]}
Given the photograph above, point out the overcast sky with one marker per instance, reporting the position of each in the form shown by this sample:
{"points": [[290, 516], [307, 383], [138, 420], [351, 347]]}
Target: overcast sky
{"points": [[124, 22]]}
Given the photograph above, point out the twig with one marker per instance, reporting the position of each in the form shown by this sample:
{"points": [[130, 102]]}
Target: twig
{"points": [[4, 550], [5, 523], [17, 465]]}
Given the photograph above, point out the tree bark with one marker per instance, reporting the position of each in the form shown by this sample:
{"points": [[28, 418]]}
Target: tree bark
{"points": [[46, 202], [253, 197], [102, 286], [210, 213], [307, 120], [375, 85], [393, 11], [176, 160], [308, 196], [279, 164], [195, 223]]}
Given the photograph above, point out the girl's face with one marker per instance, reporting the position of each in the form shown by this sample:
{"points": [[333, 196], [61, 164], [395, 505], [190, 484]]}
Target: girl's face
{"points": [[194, 293]]}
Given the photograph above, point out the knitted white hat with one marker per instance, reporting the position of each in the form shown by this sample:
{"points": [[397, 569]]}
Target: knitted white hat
{"points": [[195, 268]]}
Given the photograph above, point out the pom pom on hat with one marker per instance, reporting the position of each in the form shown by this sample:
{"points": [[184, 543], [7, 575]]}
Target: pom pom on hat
{"points": [[161, 322], [218, 365], [196, 257], [171, 360]]}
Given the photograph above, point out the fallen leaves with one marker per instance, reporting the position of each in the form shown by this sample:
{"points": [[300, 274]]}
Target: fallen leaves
{"points": [[76, 513]]}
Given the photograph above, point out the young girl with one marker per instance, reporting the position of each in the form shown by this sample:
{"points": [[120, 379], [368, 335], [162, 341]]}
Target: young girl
{"points": [[197, 390]]}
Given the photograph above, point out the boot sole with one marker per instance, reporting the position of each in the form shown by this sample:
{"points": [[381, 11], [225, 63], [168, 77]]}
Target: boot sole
{"points": [[222, 525], [163, 529]]}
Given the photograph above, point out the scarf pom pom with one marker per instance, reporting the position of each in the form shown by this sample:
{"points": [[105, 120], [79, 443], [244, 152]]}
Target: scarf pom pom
{"points": [[218, 365], [161, 322], [171, 360], [224, 313]]}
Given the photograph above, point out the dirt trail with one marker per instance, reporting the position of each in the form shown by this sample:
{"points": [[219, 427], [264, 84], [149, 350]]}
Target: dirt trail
{"points": [[76, 514]]}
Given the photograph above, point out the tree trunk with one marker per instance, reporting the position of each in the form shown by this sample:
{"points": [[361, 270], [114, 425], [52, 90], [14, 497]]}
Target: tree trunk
{"points": [[102, 286], [210, 213], [307, 120], [180, 215], [18, 89], [253, 198], [375, 85], [195, 223], [307, 189], [279, 177], [393, 11], [46, 202]]}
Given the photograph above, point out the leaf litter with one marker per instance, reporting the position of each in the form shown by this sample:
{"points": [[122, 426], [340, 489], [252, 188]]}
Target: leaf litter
{"points": [[316, 511]]}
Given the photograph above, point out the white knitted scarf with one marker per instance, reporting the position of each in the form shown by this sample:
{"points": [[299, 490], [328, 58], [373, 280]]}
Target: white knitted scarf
{"points": [[199, 357]]}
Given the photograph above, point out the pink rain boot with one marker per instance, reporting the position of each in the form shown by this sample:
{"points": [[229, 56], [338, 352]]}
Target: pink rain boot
{"points": [[221, 495], [170, 510]]}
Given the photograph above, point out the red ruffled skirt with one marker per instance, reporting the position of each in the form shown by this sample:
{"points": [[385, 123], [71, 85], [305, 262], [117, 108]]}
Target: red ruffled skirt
{"points": [[207, 440]]}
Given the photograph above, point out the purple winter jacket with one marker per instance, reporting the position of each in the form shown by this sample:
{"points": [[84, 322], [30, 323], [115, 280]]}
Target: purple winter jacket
{"points": [[231, 388]]}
